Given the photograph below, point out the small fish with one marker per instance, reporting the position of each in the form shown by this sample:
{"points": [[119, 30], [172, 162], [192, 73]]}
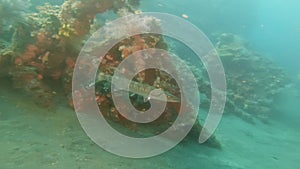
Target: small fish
{"points": [[145, 89], [140, 89], [185, 16]]}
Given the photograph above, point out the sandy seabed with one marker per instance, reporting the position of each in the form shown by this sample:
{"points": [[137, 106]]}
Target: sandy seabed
{"points": [[33, 137]]}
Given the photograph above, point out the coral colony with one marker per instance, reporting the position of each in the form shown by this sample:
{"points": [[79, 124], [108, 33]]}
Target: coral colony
{"points": [[39, 51]]}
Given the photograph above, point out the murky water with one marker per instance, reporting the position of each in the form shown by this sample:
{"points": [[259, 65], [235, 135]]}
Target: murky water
{"points": [[258, 43]]}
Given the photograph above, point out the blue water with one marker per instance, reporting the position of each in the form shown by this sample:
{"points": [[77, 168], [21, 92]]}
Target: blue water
{"points": [[32, 137], [272, 27]]}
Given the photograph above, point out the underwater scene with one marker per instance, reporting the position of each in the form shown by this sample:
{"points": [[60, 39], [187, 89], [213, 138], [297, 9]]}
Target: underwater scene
{"points": [[140, 84]]}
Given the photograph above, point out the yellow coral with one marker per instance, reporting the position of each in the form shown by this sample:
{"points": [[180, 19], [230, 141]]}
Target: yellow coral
{"points": [[66, 30]]}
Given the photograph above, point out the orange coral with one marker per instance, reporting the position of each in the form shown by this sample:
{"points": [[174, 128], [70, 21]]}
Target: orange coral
{"points": [[40, 77], [18, 61], [71, 103], [70, 62], [30, 53]]}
